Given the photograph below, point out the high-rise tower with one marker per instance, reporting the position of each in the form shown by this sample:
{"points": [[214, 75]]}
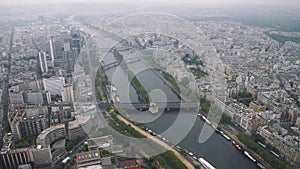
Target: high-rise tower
{"points": [[41, 62], [51, 50], [45, 61]]}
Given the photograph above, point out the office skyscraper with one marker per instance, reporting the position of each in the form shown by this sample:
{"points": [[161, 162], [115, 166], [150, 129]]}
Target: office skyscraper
{"points": [[43, 62], [51, 43]]}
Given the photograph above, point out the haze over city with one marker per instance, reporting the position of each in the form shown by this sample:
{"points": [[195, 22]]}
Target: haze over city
{"points": [[138, 84], [160, 2]]}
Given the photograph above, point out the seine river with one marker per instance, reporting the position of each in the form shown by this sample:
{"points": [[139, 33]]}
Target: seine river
{"points": [[217, 150]]}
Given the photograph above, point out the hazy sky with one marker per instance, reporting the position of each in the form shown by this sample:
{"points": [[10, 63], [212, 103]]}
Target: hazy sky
{"points": [[271, 2]]}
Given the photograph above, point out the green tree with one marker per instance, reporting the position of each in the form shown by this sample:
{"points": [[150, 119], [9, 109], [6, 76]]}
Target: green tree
{"points": [[226, 119], [185, 81], [257, 137], [197, 166], [184, 152], [272, 160]]}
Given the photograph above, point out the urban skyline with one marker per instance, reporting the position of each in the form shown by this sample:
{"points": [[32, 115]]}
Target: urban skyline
{"points": [[159, 86]]}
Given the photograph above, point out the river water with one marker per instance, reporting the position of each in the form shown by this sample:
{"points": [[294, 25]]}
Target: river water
{"points": [[217, 150]]}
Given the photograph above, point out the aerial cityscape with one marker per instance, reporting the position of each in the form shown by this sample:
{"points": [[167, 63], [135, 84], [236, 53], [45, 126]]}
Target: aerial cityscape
{"points": [[149, 85]]}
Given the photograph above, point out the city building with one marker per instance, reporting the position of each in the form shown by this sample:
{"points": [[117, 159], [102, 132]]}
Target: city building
{"points": [[37, 98], [61, 112], [43, 62], [79, 128], [294, 113], [133, 163], [25, 166], [271, 100], [0, 96], [106, 161], [51, 135], [67, 93], [298, 123], [51, 43], [287, 149], [16, 97], [42, 157], [87, 159], [270, 115], [36, 85], [12, 158], [23, 126], [67, 44], [15, 157], [54, 85], [100, 142], [35, 111], [256, 106]]}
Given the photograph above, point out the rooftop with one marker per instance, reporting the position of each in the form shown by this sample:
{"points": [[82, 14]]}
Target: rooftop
{"points": [[127, 163], [45, 132], [100, 142], [87, 156], [78, 122]]}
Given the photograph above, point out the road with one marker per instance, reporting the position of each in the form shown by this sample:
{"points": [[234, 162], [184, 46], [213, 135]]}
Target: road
{"points": [[158, 141], [73, 154], [5, 95]]}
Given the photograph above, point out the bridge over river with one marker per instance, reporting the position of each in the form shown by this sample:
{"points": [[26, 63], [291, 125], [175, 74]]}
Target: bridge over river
{"points": [[117, 63], [160, 105]]}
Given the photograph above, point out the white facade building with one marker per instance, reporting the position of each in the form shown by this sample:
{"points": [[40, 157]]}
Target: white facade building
{"points": [[67, 93], [54, 85]]}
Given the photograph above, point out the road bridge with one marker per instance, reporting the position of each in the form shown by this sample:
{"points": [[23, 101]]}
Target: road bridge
{"points": [[117, 63], [161, 105]]}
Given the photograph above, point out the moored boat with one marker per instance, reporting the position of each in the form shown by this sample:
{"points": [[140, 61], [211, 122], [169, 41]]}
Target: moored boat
{"points": [[205, 164]]}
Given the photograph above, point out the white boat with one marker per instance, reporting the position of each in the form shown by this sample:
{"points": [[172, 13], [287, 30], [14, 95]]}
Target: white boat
{"points": [[216, 128], [260, 165], [113, 88], [190, 154], [261, 144], [205, 164], [225, 136], [117, 99], [249, 156], [275, 154], [205, 119]]}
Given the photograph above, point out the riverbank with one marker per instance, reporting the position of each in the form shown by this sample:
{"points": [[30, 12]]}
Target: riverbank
{"points": [[158, 141], [100, 84], [256, 156], [136, 84]]}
